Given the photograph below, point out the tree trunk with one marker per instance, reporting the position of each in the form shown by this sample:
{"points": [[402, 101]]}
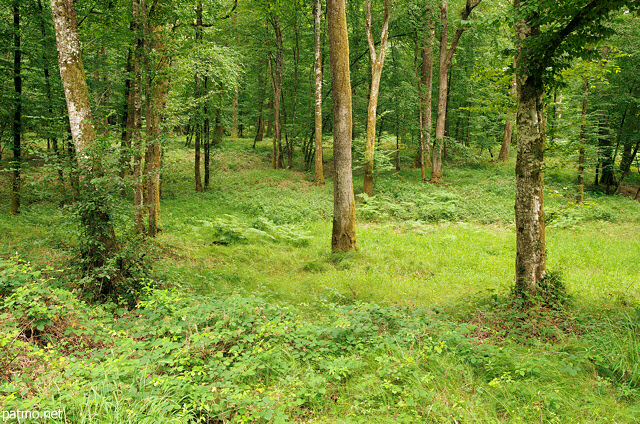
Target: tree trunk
{"points": [[138, 192], [207, 143], [276, 83], [344, 205], [317, 66], [198, 124], [425, 90], [17, 113], [157, 87], [95, 218], [607, 159], [506, 140], [51, 137], [508, 129], [260, 120], [583, 140], [529, 213], [377, 62], [127, 122], [445, 61], [198, 178], [234, 113]]}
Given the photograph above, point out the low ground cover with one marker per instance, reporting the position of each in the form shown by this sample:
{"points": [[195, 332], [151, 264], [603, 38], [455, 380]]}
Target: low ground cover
{"points": [[248, 317]]}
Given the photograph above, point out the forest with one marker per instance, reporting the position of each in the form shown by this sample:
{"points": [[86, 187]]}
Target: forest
{"points": [[323, 211]]}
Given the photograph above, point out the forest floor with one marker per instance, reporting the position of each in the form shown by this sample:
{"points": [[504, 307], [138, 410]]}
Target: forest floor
{"points": [[246, 315]]}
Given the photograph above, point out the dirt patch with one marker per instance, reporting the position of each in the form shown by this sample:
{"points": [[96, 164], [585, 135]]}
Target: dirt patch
{"points": [[630, 191]]}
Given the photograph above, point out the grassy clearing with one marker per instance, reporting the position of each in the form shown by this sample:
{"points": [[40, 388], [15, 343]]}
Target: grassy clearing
{"points": [[252, 319]]}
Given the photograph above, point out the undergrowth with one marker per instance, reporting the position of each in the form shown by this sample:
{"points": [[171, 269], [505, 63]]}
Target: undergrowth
{"points": [[250, 318], [237, 358]]}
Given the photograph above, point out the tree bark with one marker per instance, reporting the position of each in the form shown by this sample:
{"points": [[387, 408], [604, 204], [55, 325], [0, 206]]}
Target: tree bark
{"points": [[138, 193], [446, 55], [198, 122], [583, 140], [157, 88], [14, 207], [377, 62], [344, 206], [425, 92], [234, 113], [529, 213], [508, 130], [276, 83], [317, 66], [95, 218]]}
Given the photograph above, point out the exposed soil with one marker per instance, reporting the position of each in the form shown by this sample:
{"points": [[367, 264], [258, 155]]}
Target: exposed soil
{"points": [[630, 191]]}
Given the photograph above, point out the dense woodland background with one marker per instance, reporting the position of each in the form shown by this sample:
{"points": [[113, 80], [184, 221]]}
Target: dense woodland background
{"points": [[174, 254]]}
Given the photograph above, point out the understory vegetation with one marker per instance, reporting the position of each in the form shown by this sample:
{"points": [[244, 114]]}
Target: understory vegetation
{"points": [[239, 312]]}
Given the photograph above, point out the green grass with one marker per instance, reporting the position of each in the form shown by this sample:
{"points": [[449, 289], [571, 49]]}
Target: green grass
{"points": [[252, 319]]}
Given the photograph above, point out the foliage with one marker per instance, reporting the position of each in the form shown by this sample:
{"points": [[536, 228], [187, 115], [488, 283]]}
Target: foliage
{"points": [[238, 358]]}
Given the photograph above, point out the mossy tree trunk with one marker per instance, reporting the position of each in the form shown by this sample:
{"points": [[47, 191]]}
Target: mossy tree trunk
{"points": [[529, 212], [100, 241], [344, 206], [157, 87]]}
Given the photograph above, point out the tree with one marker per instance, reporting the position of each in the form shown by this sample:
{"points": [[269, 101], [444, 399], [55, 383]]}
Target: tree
{"points": [[446, 55], [276, 85], [548, 36], [377, 61], [94, 215], [157, 84], [425, 85], [317, 67], [138, 194], [344, 205], [17, 114]]}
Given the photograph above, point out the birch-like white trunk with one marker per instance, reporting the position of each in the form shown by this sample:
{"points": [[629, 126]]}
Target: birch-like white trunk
{"points": [[317, 66], [73, 78], [529, 211]]}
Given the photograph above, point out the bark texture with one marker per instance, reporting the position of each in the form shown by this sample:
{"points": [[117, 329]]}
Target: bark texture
{"points": [[99, 241], [317, 66], [14, 207], [277, 160], [529, 212], [138, 194], [157, 87], [377, 61], [583, 140], [344, 206], [425, 92], [198, 122], [73, 77]]}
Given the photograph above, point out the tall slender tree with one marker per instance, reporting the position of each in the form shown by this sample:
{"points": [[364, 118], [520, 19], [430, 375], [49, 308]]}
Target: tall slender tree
{"points": [[317, 66], [344, 205], [95, 219], [446, 56], [377, 62], [17, 113]]}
